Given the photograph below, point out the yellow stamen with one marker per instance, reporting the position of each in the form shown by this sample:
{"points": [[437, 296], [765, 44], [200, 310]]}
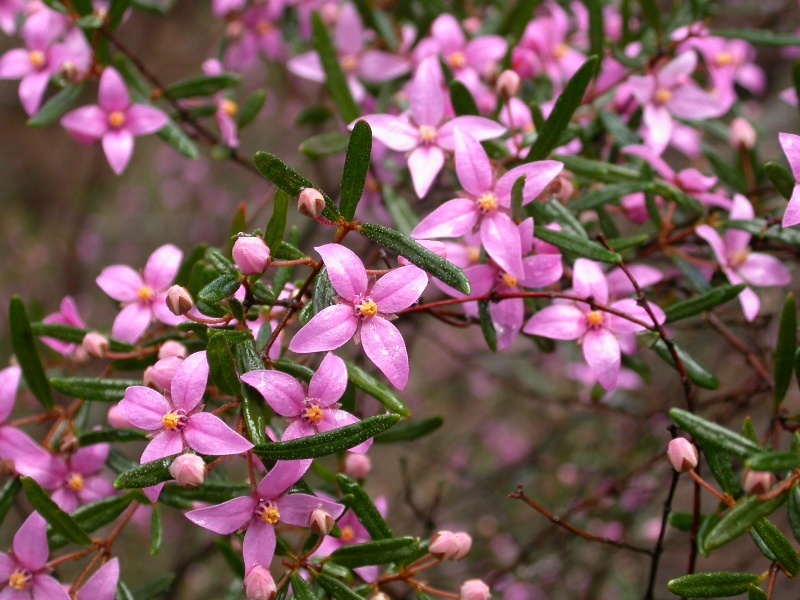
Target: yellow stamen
{"points": [[146, 293], [18, 581], [560, 51], [349, 63], [230, 108], [723, 59], [427, 133], [738, 258], [509, 280], [348, 533], [116, 119], [457, 60], [264, 27], [75, 481], [37, 59], [487, 202], [368, 308], [271, 515], [595, 318], [663, 95], [314, 414], [171, 420], [473, 255]]}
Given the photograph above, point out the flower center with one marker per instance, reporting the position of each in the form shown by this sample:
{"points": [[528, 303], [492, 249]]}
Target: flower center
{"points": [[116, 119], [367, 308], [349, 63], [268, 512], [20, 579], [175, 420], [595, 318], [723, 59], [560, 51], [37, 59], [75, 481], [145, 292], [427, 133], [473, 255], [348, 533], [487, 202], [314, 413], [663, 95], [738, 258], [457, 60], [230, 108], [508, 280], [264, 27]]}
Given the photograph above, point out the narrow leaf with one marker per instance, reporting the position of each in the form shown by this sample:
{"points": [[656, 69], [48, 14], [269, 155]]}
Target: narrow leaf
{"points": [[301, 590], [156, 530], [356, 168], [371, 386], [741, 518], [700, 304], [276, 228], [336, 588], [325, 144], [487, 325], [98, 390], [572, 243], [716, 435], [779, 545], [198, 87], [462, 100], [253, 405], [760, 37], [711, 585], [786, 348], [780, 178], [379, 552], [364, 509], [335, 79], [774, 461], [145, 475], [222, 365], [607, 194], [250, 109], [57, 106], [25, 349], [410, 430], [699, 374], [109, 436], [7, 496], [60, 521], [222, 287]]}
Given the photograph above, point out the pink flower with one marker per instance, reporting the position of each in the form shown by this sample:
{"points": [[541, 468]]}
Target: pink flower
{"points": [[255, 31], [103, 584], [77, 480], [311, 411], [791, 148], [15, 445], [67, 315], [486, 204], [176, 418], [364, 311], [447, 39], [143, 296], [597, 331], [9, 12], [739, 264], [25, 570], [115, 120], [426, 133], [264, 508], [730, 62], [226, 108]]}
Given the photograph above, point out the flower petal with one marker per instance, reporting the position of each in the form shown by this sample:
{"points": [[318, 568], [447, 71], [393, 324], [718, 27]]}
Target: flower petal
{"points": [[395, 132], [132, 322], [385, 347], [224, 518], [259, 545], [588, 279], [330, 328], [120, 282], [144, 408], [329, 382], [763, 270], [118, 146], [472, 164], [500, 237], [376, 66], [31, 90], [281, 391], [103, 584], [162, 267], [791, 148], [30, 542], [208, 434], [113, 94], [345, 270], [507, 317], [559, 322], [425, 162], [538, 176], [88, 460], [296, 509], [47, 588], [750, 302], [164, 444], [399, 289], [480, 128], [426, 95], [283, 476], [189, 381], [602, 354], [792, 215], [144, 120], [9, 383], [334, 419], [452, 219]]}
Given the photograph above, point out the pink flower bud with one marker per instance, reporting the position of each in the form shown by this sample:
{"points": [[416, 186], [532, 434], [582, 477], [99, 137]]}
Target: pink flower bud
{"points": [[444, 545], [188, 470], [329, 13], [321, 521], [251, 254], [172, 348], [742, 135], [567, 190], [115, 418], [464, 541], [259, 585], [474, 589], [163, 371], [379, 596], [179, 300], [508, 83], [235, 30], [682, 455], [95, 344], [472, 25], [356, 465], [311, 203], [757, 482]]}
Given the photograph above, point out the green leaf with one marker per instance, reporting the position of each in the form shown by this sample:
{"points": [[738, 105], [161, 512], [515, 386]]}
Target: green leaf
{"points": [[410, 430], [123, 591], [335, 80], [325, 144], [596, 29], [57, 106], [145, 475], [720, 464], [711, 585], [222, 365], [293, 369], [220, 262], [565, 106], [198, 87], [25, 350], [7, 496], [336, 588], [371, 386], [781, 178], [290, 181], [177, 138], [379, 552], [212, 492], [624, 243], [116, 12], [99, 390], [553, 211], [598, 170], [652, 14], [330, 442], [749, 430], [760, 229], [250, 109], [774, 461], [741, 518], [156, 530], [786, 348], [222, 287], [622, 134], [301, 590], [92, 517], [462, 100], [794, 512], [276, 228], [710, 433], [84, 7], [399, 209], [364, 508], [106, 436], [60, 521], [356, 168], [756, 593], [760, 37], [156, 589], [515, 20], [288, 252], [607, 194], [517, 197], [487, 325], [577, 245], [779, 545], [418, 255], [706, 525], [700, 304], [253, 405], [699, 374]]}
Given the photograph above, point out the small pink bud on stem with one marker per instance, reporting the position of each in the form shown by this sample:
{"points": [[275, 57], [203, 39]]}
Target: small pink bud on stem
{"points": [[172, 348], [188, 470], [682, 455], [742, 135], [311, 203], [115, 418], [179, 300], [508, 83], [757, 482], [95, 344], [259, 584], [321, 521], [447, 545], [357, 466], [251, 254], [474, 589]]}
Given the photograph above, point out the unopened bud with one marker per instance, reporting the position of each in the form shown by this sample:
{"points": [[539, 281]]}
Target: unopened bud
{"points": [[259, 584], [321, 521], [474, 589], [472, 25], [508, 83], [357, 465], [311, 203], [464, 541], [251, 254], [329, 13], [172, 348], [179, 300], [69, 444], [742, 135], [161, 373], [450, 546], [95, 344], [379, 596], [682, 455], [757, 482], [567, 190], [234, 30], [188, 470], [115, 418]]}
